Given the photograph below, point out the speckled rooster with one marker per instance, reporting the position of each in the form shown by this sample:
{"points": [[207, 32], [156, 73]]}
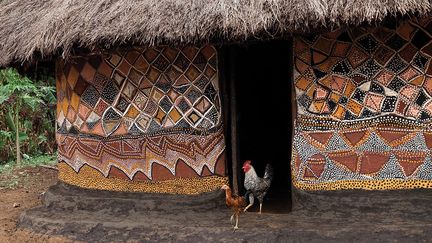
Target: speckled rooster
{"points": [[256, 187]]}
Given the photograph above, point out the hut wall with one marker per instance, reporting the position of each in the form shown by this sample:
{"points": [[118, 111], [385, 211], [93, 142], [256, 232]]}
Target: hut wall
{"points": [[141, 119], [364, 108]]}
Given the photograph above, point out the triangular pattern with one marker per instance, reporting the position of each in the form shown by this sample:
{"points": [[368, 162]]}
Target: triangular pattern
{"points": [[369, 80], [392, 136], [372, 90], [304, 148], [197, 151], [313, 171], [428, 138], [90, 144], [333, 172], [424, 172], [336, 143], [374, 143], [354, 137], [391, 170], [416, 143], [183, 170], [156, 140], [322, 137], [371, 163], [115, 145], [350, 161], [409, 167], [121, 130], [133, 143], [127, 148]]}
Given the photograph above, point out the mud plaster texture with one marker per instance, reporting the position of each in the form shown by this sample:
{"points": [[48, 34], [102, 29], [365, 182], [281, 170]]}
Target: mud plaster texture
{"points": [[94, 216]]}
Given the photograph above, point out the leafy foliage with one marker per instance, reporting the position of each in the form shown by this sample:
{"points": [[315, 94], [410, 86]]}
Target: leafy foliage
{"points": [[27, 125]]}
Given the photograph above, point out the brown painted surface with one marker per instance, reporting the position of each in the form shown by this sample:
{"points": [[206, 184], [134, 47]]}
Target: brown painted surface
{"points": [[160, 173], [315, 169], [350, 160], [297, 163], [372, 162], [317, 158], [390, 136], [206, 171], [220, 165], [117, 173], [184, 171], [428, 138], [354, 137], [139, 176], [409, 167], [410, 161], [408, 52], [321, 137]]}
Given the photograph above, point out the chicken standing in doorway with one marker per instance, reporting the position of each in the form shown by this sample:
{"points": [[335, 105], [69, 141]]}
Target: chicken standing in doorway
{"points": [[256, 187]]}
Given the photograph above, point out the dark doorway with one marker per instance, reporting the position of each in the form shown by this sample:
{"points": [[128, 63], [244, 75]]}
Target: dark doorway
{"points": [[264, 115]]}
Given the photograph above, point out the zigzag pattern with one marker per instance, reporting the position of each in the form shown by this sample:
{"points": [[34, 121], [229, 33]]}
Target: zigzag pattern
{"points": [[197, 151]]}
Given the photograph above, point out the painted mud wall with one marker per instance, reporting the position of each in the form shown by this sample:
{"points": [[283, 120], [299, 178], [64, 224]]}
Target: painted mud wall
{"points": [[364, 108], [141, 119]]}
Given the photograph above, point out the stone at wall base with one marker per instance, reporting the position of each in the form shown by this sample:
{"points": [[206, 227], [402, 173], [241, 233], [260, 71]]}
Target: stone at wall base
{"points": [[66, 197], [410, 201]]}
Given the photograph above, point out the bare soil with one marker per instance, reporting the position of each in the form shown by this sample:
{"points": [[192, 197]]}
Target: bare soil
{"points": [[21, 190]]}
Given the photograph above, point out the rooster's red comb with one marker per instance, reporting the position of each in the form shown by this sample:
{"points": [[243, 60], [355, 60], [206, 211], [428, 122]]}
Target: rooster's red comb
{"points": [[247, 162]]}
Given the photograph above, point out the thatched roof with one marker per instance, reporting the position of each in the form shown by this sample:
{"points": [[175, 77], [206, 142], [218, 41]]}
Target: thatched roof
{"points": [[46, 27]]}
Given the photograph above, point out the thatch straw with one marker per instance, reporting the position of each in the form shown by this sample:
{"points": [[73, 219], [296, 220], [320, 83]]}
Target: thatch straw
{"points": [[48, 26]]}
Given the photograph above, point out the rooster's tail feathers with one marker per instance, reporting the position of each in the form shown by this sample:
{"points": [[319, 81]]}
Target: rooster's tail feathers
{"points": [[268, 174]]}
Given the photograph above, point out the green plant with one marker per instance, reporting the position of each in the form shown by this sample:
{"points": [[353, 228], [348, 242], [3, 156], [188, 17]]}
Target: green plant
{"points": [[20, 98]]}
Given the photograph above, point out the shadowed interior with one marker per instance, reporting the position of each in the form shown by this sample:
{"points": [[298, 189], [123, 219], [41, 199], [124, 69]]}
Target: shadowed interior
{"points": [[264, 116]]}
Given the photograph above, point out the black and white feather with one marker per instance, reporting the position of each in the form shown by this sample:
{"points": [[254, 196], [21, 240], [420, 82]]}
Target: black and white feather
{"points": [[257, 187]]}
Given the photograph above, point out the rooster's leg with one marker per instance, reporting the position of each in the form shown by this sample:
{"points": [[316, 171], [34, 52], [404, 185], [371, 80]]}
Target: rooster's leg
{"points": [[261, 199], [232, 219], [251, 202], [237, 219]]}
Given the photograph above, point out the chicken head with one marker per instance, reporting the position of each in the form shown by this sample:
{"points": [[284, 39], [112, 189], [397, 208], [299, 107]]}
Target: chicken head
{"points": [[246, 166]]}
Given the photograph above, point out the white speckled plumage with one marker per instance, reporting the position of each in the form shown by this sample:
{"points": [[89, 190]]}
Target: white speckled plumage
{"points": [[256, 186]]}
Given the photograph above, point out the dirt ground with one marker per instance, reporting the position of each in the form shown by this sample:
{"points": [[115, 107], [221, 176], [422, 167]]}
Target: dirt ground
{"points": [[28, 185]]}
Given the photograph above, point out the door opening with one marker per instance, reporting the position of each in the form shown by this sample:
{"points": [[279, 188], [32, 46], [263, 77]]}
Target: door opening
{"points": [[264, 116]]}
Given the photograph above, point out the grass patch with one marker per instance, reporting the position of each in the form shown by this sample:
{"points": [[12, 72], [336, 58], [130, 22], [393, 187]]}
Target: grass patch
{"points": [[28, 161], [50, 159], [13, 176]]}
